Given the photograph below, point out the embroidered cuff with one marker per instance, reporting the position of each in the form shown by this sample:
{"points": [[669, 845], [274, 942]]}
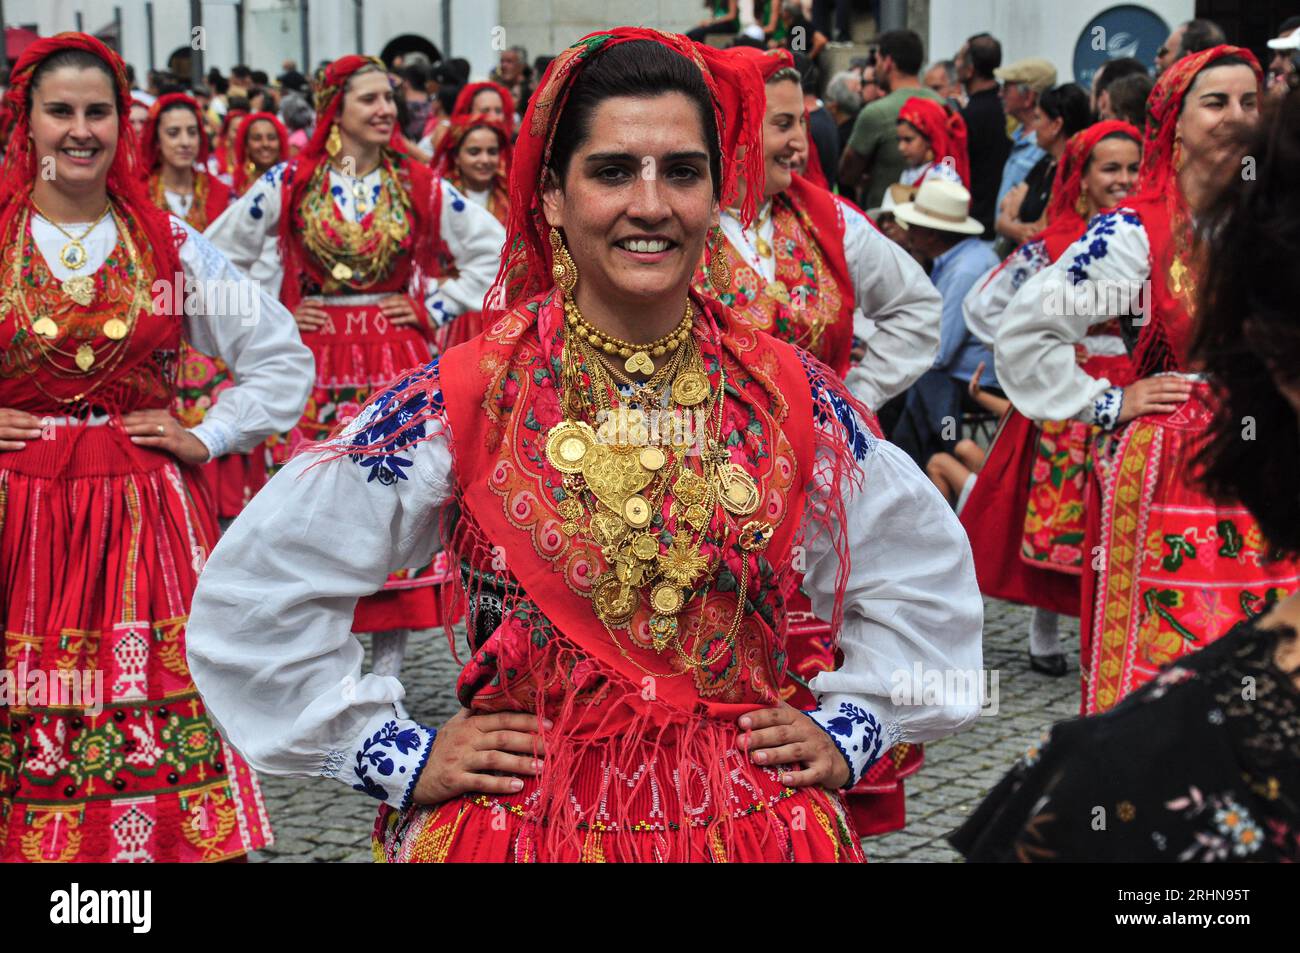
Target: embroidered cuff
{"points": [[216, 436], [439, 309], [854, 728], [1106, 408], [388, 762]]}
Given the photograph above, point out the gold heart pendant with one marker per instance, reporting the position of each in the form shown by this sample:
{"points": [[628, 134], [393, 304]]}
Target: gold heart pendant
{"points": [[639, 363], [613, 477]]}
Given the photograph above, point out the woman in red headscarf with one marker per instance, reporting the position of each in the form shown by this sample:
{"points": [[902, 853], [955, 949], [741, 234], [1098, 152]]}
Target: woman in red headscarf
{"points": [[474, 156], [475, 99], [1026, 515], [932, 140], [261, 144], [1171, 570], [625, 589], [107, 752], [374, 254], [799, 272], [174, 155]]}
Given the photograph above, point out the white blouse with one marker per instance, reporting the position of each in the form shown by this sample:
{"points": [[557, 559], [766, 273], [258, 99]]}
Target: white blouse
{"points": [[898, 310], [1102, 273], [249, 330], [248, 233], [270, 636]]}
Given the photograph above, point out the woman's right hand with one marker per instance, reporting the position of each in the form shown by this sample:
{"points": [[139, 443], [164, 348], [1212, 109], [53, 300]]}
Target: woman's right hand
{"points": [[16, 428], [469, 746], [310, 315], [1154, 395]]}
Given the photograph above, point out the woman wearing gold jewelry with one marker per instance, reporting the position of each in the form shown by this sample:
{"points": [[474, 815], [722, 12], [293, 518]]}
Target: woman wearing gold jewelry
{"points": [[633, 469], [104, 522], [374, 254], [174, 153]]}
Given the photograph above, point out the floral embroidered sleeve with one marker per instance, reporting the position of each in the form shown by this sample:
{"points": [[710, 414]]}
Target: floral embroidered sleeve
{"points": [[1103, 272], [911, 605], [475, 239], [270, 632], [989, 296], [247, 231]]}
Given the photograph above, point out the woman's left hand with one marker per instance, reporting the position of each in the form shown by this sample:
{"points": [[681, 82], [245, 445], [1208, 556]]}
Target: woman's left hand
{"points": [[399, 310], [785, 735], [160, 430]]}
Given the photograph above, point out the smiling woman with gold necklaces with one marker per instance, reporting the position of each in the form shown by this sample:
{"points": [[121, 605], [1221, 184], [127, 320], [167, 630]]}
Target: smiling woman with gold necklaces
{"points": [[104, 522]]}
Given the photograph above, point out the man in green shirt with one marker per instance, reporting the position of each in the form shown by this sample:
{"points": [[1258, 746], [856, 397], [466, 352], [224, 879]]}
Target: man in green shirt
{"points": [[871, 157]]}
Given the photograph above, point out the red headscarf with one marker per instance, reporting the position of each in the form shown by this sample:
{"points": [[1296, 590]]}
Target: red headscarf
{"points": [[768, 62], [738, 111], [240, 175], [464, 105], [1064, 223], [943, 128], [1166, 103], [150, 154], [444, 156], [425, 194], [125, 184]]}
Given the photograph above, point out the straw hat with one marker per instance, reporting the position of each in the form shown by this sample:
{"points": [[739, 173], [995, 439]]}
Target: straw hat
{"points": [[941, 205]]}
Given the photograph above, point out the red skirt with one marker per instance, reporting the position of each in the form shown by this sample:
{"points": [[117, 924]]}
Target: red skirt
{"points": [[670, 816], [356, 352], [108, 754], [1178, 569]]}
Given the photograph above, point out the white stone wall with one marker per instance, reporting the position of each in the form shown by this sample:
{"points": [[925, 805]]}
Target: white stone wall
{"points": [[545, 27]]}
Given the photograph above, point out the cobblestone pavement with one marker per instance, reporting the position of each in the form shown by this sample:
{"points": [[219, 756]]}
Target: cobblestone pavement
{"points": [[321, 820]]}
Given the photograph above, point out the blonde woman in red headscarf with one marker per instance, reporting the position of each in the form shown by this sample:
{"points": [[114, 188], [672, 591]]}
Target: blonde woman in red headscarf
{"points": [[1026, 515], [625, 590], [261, 144], [104, 522], [1167, 570], [375, 255]]}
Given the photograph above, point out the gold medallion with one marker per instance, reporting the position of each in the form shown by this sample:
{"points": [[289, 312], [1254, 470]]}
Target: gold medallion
{"points": [[645, 547], [778, 291], [609, 528], [73, 255], [636, 510], [570, 508], [45, 327], [663, 629], [115, 329], [697, 516], [85, 358], [740, 492], [691, 388], [639, 363], [613, 601], [667, 599], [764, 249], [341, 272], [690, 488], [569, 528], [567, 444], [652, 458], [81, 289]]}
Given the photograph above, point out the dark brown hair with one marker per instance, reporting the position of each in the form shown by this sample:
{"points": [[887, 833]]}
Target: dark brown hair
{"points": [[1248, 329]]}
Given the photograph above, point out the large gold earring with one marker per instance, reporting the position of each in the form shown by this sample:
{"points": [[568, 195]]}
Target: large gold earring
{"points": [[334, 142], [563, 268], [1178, 158], [1081, 205], [719, 267]]}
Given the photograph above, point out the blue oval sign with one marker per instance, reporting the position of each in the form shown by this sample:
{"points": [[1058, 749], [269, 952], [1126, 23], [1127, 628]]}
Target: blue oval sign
{"points": [[1127, 30]]}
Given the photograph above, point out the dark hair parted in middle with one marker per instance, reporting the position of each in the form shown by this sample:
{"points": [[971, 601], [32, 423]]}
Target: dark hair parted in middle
{"points": [[1248, 331], [639, 69]]}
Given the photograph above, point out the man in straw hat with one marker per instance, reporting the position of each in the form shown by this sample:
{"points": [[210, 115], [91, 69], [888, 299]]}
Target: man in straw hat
{"points": [[940, 229]]}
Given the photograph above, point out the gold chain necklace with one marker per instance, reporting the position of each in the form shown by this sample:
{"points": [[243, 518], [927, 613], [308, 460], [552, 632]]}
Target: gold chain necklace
{"points": [[73, 254], [638, 357]]}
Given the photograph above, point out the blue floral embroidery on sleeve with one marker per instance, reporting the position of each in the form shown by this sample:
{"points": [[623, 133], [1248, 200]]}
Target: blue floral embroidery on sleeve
{"points": [[1095, 238], [828, 403], [856, 733], [275, 174], [1030, 259], [377, 753], [387, 418], [1106, 408], [255, 210]]}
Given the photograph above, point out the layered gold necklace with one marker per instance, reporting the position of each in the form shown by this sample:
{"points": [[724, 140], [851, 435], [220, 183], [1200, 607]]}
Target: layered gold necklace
{"points": [[617, 478], [80, 288], [358, 253]]}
